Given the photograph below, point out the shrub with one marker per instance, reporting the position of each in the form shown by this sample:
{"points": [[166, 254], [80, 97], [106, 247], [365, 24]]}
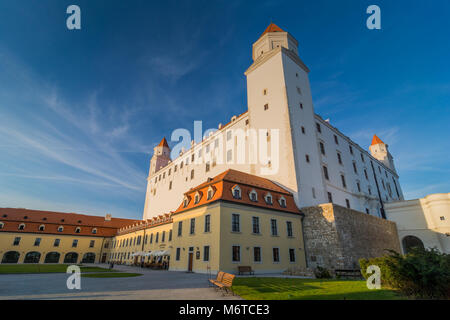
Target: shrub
{"points": [[420, 273], [322, 273]]}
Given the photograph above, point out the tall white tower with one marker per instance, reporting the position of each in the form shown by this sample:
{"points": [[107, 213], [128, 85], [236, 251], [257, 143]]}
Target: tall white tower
{"points": [[161, 156], [379, 151], [279, 97]]}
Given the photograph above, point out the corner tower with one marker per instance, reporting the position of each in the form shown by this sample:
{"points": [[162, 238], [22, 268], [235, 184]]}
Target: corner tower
{"points": [[279, 98], [161, 156], [379, 151]]}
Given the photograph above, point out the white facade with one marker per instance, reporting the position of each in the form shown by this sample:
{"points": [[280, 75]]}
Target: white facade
{"points": [[427, 219], [281, 118]]}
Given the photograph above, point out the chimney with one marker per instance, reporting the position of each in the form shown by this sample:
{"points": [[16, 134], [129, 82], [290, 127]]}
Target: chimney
{"points": [[108, 217]]}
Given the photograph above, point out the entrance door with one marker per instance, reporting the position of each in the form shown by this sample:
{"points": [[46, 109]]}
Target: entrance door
{"points": [[191, 259], [104, 258]]}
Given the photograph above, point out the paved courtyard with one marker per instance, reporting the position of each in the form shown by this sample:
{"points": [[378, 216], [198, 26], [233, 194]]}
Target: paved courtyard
{"points": [[152, 285]]}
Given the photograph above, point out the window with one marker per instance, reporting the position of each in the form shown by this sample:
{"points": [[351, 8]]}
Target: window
{"points": [[367, 211], [301, 105], [362, 157], [74, 243], [91, 244], [283, 202], [1, 225], [289, 229], [206, 253], [56, 242], [193, 158], [343, 181], [181, 165], [307, 158], [163, 237], [370, 191], [325, 172], [330, 197], [299, 91], [207, 167], [347, 203], [170, 185], [192, 174], [41, 227], [276, 254], [192, 230], [339, 158], [37, 242], [256, 254], [185, 202], [207, 223], [313, 193], [268, 198], [291, 255], [266, 106], [21, 226], [365, 174], [318, 128], [235, 225], [229, 133], [180, 228], [177, 256], [77, 230], [336, 139], [273, 227], [253, 196], [303, 130], [94, 230], [359, 186], [355, 169], [229, 155], [151, 238], [255, 221], [157, 237], [236, 192], [197, 198], [322, 148], [350, 148], [16, 241], [442, 218], [236, 253]]}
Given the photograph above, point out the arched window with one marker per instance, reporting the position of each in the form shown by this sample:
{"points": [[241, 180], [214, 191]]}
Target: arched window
{"points": [[52, 257], [41, 227], [282, 202], [60, 229], [94, 230], [268, 198], [236, 192], [71, 257], [11, 257], [21, 226], [32, 257], [192, 174], [410, 242], [2, 225], [88, 257], [185, 201], [253, 195], [77, 230], [210, 192], [197, 197]]}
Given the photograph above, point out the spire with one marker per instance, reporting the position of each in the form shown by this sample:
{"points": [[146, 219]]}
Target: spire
{"points": [[376, 140], [272, 28], [163, 143]]}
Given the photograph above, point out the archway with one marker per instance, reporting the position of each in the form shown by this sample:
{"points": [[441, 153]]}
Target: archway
{"points": [[52, 257], [32, 257], [410, 242], [11, 257], [88, 257], [71, 257]]}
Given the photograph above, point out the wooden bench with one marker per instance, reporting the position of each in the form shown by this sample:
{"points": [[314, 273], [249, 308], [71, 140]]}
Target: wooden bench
{"points": [[356, 273], [218, 278], [225, 283], [243, 269]]}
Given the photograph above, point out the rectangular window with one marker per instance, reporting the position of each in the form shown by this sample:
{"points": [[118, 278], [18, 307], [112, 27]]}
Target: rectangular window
{"points": [[266, 106], [273, 227], [91, 244], [322, 148], [170, 185], [235, 227], [163, 238], [255, 221], [350, 148], [177, 257], [325, 173], [307, 158], [229, 155], [157, 237], [236, 255], [343, 181], [289, 229], [359, 186], [192, 230], [336, 139], [256, 254], [56, 243], [206, 253], [170, 235], [276, 254], [347, 202], [339, 158], [318, 128], [37, 242], [151, 238], [207, 223], [292, 255], [207, 167], [75, 243], [330, 197], [228, 135], [180, 228], [355, 170], [365, 174], [362, 157], [303, 130]]}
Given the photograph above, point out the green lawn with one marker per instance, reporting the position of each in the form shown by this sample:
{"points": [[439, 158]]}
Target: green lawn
{"points": [[111, 275], [44, 268], [308, 289]]}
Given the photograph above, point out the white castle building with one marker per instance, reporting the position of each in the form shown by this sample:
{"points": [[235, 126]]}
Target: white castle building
{"points": [[281, 138]]}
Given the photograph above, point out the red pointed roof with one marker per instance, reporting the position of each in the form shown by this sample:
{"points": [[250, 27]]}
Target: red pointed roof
{"points": [[272, 28], [376, 140], [163, 143]]}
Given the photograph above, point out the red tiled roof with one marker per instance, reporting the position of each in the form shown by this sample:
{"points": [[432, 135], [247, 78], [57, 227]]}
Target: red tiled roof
{"points": [[33, 219], [272, 28], [223, 184], [376, 140]]}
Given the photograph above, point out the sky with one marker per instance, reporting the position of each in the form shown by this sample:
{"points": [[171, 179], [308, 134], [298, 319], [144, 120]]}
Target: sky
{"points": [[81, 110]]}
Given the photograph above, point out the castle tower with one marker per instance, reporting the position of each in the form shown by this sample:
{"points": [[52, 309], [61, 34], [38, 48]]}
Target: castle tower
{"points": [[161, 156], [279, 98], [379, 151]]}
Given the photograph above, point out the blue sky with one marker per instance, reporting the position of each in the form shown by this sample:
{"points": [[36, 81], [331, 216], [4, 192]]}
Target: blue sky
{"points": [[80, 111]]}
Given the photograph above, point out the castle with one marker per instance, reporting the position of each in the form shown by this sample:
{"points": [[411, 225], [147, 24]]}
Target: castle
{"points": [[306, 154]]}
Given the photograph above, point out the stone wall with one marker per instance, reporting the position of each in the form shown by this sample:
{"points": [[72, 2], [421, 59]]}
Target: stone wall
{"points": [[337, 237]]}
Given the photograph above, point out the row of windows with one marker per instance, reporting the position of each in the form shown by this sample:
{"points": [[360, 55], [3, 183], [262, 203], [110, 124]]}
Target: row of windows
{"points": [[42, 228], [257, 254], [206, 253], [256, 227], [56, 242], [50, 257], [129, 242]]}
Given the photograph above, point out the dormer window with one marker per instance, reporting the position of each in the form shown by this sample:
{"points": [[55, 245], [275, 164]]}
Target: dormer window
{"points": [[253, 195], [94, 230], [282, 202], [21, 226], [210, 192], [77, 230], [197, 198], [60, 229], [2, 225], [41, 227], [268, 199], [26, 217], [185, 202], [236, 192]]}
